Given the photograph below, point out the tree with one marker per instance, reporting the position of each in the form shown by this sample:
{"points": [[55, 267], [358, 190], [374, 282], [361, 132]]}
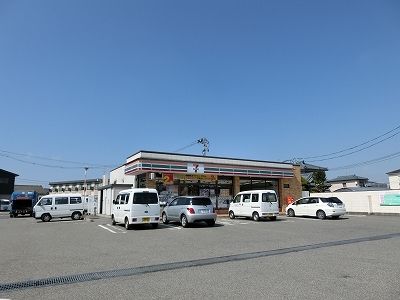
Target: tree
{"points": [[306, 184], [319, 181]]}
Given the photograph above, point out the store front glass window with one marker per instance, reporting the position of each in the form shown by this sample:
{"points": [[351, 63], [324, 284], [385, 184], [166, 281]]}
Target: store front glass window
{"points": [[248, 184]]}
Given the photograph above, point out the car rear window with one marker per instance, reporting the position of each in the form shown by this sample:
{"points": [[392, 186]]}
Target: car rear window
{"points": [[201, 201], [269, 197], [331, 200], [145, 198]]}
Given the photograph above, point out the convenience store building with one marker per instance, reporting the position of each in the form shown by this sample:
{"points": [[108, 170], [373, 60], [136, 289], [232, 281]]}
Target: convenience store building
{"points": [[219, 178]]}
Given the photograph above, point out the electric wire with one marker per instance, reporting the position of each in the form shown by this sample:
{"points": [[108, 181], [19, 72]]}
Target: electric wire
{"points": [[356, 151], [355, 147], [188, 146], [41, 164], [31, 180], [5, 152], [368, 162]]}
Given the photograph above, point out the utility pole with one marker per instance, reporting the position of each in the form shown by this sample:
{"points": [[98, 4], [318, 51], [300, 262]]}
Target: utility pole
{"points": [[205, 144], [84, 191]]}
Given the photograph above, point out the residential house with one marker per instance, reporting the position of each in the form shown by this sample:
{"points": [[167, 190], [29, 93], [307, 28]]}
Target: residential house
{"points": [[7, 181], [349, 181], [394, 179]]}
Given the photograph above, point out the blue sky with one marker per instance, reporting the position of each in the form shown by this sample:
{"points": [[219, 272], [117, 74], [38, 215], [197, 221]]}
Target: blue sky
{"points": [[96, 81]]}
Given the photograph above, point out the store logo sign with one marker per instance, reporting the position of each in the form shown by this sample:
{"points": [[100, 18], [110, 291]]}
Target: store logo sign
{"points": [[193, 168]]}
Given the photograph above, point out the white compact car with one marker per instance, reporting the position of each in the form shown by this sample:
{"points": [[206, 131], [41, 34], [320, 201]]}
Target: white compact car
{"points": [[317, 207]]}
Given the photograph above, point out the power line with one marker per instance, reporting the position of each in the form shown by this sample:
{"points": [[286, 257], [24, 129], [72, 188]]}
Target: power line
{"points": [[31, 180], [188, 146], [56, 160], [38, 164], [356, 151], [48, 165], [202, 141], [355, 147], [368, 162]]}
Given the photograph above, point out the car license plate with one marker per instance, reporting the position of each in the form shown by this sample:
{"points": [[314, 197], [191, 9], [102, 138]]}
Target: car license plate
{"points": [[204, 211], [146, 219]]}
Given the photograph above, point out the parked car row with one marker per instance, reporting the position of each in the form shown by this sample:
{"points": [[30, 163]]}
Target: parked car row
{"points": [[142, 206]]}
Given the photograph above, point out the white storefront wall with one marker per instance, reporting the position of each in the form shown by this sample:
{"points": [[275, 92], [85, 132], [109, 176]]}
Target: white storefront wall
{"points": [[368, 202]]}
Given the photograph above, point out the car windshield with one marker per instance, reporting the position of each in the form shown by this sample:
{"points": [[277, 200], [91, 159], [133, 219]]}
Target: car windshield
{"points": [[331, 200], [145, 198], [201, 201]]}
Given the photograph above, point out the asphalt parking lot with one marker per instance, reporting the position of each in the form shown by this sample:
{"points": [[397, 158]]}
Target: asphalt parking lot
{"points": [[355, 257]]}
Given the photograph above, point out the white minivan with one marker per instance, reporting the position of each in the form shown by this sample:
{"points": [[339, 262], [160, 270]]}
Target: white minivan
{"points": [[59, 206], [255, 204], [136, 206]]}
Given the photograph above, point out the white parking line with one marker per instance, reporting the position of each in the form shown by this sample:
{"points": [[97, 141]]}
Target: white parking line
{"points": [[104, 227], [225, 223], [232, 223], [306, 219], [172, 227], [121, 230]]}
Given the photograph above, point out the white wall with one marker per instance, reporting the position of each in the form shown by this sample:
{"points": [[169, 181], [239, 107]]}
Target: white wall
{"points": [[364, 202], [108, 196], [394, 182], [118, 176]]}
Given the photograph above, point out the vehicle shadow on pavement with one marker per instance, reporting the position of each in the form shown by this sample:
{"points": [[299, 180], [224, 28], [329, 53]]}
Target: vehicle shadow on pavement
{"points": [[192, 225], [60, 221], [315, 218]]}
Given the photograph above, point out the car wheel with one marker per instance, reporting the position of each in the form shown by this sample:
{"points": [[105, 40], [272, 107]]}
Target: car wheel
{"points": [[231, 215], [291, 213], [113, 220], [164, 218], [184, 221], [127, 225], [46, 218], [211, 223], [154, 225], [321, 214], [76, 215], [256, 216]]}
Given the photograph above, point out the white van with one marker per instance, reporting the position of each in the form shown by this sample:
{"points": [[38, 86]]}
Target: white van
{"points": [[255, 204], [136, 206], [4, 204], [59, 206]]}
